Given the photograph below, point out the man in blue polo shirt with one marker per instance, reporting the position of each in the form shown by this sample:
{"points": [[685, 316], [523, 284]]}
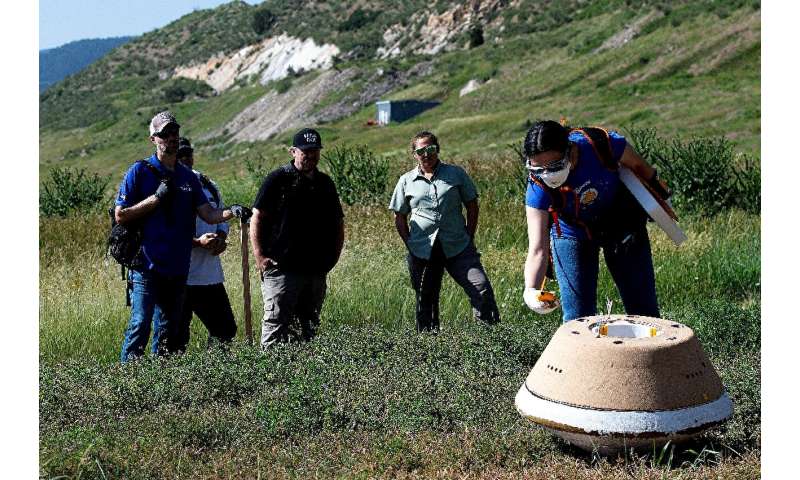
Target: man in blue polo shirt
{"points": [[162, 198]]}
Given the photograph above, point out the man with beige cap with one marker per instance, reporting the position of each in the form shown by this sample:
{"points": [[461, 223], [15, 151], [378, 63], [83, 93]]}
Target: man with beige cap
{"points": [[162, 197]]}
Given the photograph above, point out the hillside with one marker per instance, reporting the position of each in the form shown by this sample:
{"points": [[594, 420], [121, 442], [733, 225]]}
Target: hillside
{"points": [[689, 68], [57, 63]]}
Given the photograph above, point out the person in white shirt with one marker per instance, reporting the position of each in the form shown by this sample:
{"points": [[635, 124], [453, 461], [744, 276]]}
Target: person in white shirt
{"points": [[205, 293]]}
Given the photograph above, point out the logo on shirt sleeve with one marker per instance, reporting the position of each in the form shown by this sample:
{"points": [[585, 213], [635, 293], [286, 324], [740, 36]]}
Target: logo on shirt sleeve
{"points": [[588, 196]]}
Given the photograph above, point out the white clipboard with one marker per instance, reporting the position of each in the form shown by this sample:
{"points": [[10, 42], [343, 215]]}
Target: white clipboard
{"points": [[659, 210]]}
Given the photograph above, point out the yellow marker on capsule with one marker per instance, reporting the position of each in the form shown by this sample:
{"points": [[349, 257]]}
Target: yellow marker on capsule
{"points": [[653, 332], [604, 329]]}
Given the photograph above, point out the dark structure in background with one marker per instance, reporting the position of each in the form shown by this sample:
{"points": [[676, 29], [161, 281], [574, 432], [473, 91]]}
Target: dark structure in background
{"points": [[401, 110]]}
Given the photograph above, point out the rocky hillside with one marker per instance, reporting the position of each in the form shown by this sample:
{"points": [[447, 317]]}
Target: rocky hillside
{"points": [[248, 73]]}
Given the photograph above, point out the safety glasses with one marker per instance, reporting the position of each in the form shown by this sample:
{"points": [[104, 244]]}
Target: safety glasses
{"points": [[168, 131], [426, 150], [551, 167]]}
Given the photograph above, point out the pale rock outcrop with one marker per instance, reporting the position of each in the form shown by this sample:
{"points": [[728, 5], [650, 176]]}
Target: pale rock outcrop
{"points": [[470, 87], [274, 113], [270, 59], [439, 31]]}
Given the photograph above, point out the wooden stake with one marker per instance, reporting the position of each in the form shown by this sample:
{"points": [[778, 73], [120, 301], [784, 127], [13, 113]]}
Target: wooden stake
{"points": [[248, 327]]}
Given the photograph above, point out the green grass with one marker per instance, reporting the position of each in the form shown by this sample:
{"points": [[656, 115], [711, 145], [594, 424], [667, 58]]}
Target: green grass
{"points": [[82, 312], [355, 399], [416, 405]]}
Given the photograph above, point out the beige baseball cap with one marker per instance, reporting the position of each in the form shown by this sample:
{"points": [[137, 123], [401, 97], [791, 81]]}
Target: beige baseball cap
{"points": [[161, 120]]}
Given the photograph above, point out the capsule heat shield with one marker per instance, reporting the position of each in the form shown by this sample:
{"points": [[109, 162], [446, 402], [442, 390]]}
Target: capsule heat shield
{"points": [[611, 381]]}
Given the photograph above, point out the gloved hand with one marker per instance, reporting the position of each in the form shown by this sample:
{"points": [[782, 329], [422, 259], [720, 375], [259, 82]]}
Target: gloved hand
{"points": [[541, 306], [164, 189], [240, 211]]}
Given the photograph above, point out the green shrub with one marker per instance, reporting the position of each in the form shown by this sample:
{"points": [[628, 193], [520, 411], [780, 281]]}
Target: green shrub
{"points": [[263, 19], [704, 174], [68, 191], [179, 89], [357, 20], [359, 175], [257, 170], [475, 36], [284, 84]]}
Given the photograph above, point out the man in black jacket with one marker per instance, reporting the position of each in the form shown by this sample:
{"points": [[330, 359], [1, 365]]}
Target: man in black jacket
{"points": [[297, 235]]}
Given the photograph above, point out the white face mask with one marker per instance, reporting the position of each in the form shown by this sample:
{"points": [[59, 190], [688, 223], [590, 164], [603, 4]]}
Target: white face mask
{"points": [[557, 178]]}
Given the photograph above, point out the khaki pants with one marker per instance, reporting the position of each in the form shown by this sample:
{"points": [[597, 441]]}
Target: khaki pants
{"points": [[292, 303]]}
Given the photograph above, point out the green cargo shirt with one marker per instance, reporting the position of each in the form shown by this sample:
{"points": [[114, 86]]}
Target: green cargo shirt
{"points": [[435, 208]]}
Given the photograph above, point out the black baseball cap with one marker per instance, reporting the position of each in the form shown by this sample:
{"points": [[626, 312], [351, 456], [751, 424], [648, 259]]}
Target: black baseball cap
{"points": [[307, 139], [184, 146]]}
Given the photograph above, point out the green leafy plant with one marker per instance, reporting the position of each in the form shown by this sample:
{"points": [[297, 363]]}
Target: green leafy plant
{"points": [[68, 191], [704, 174], [359, 175]]}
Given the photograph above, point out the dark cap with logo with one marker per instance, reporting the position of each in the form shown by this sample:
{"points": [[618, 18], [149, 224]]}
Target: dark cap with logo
{"points": [[184, 146], [307, 139]]}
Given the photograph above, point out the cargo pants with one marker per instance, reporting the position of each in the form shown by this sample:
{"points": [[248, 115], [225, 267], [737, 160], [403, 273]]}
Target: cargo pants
{"points": [[292, 304]]}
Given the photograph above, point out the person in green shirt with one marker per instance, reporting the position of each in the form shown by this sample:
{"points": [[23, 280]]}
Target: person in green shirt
{"points": [[427, 214]]}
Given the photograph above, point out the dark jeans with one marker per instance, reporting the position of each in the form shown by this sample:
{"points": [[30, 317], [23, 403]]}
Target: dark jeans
{"points": [[211, 305], [577, 266], [155, 300], [466, 270], [291, 299]]}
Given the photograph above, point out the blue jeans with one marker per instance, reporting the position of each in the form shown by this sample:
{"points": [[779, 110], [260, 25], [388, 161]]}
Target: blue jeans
{"points": [[576, 265], [156, 299]]}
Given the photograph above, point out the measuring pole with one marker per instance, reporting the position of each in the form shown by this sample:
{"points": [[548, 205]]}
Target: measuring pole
{"points": [[248, 327]]}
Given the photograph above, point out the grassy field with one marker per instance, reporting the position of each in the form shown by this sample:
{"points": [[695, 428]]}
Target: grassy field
{"points": [[370, 397]]}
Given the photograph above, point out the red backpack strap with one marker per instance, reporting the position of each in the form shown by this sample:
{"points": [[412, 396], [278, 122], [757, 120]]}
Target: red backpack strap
{"points": [[555, 206]]}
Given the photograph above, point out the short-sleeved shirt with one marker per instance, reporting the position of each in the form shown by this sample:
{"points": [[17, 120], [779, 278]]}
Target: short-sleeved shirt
{"points": [[435, 208], [167, 231], [205, 268], [594, 185], [301, 222]]}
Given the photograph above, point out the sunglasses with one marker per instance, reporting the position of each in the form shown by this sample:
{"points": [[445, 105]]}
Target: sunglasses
{"points": [[167, 131], [427, 150], [550, 167]]}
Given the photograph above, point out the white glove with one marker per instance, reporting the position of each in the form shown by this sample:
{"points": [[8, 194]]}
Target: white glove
{"points": [[531, 297]]}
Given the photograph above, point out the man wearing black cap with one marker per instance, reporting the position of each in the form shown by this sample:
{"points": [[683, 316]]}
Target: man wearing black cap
{"points": [[161, 197], [205, 291], [297, 234]]}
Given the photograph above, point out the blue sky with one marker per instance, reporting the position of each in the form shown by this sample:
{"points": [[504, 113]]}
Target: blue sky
{"points": [[63, 21]]}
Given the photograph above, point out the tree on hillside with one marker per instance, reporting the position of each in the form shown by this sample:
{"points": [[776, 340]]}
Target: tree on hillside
{"points": [[475, 35], [263, 19]]}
